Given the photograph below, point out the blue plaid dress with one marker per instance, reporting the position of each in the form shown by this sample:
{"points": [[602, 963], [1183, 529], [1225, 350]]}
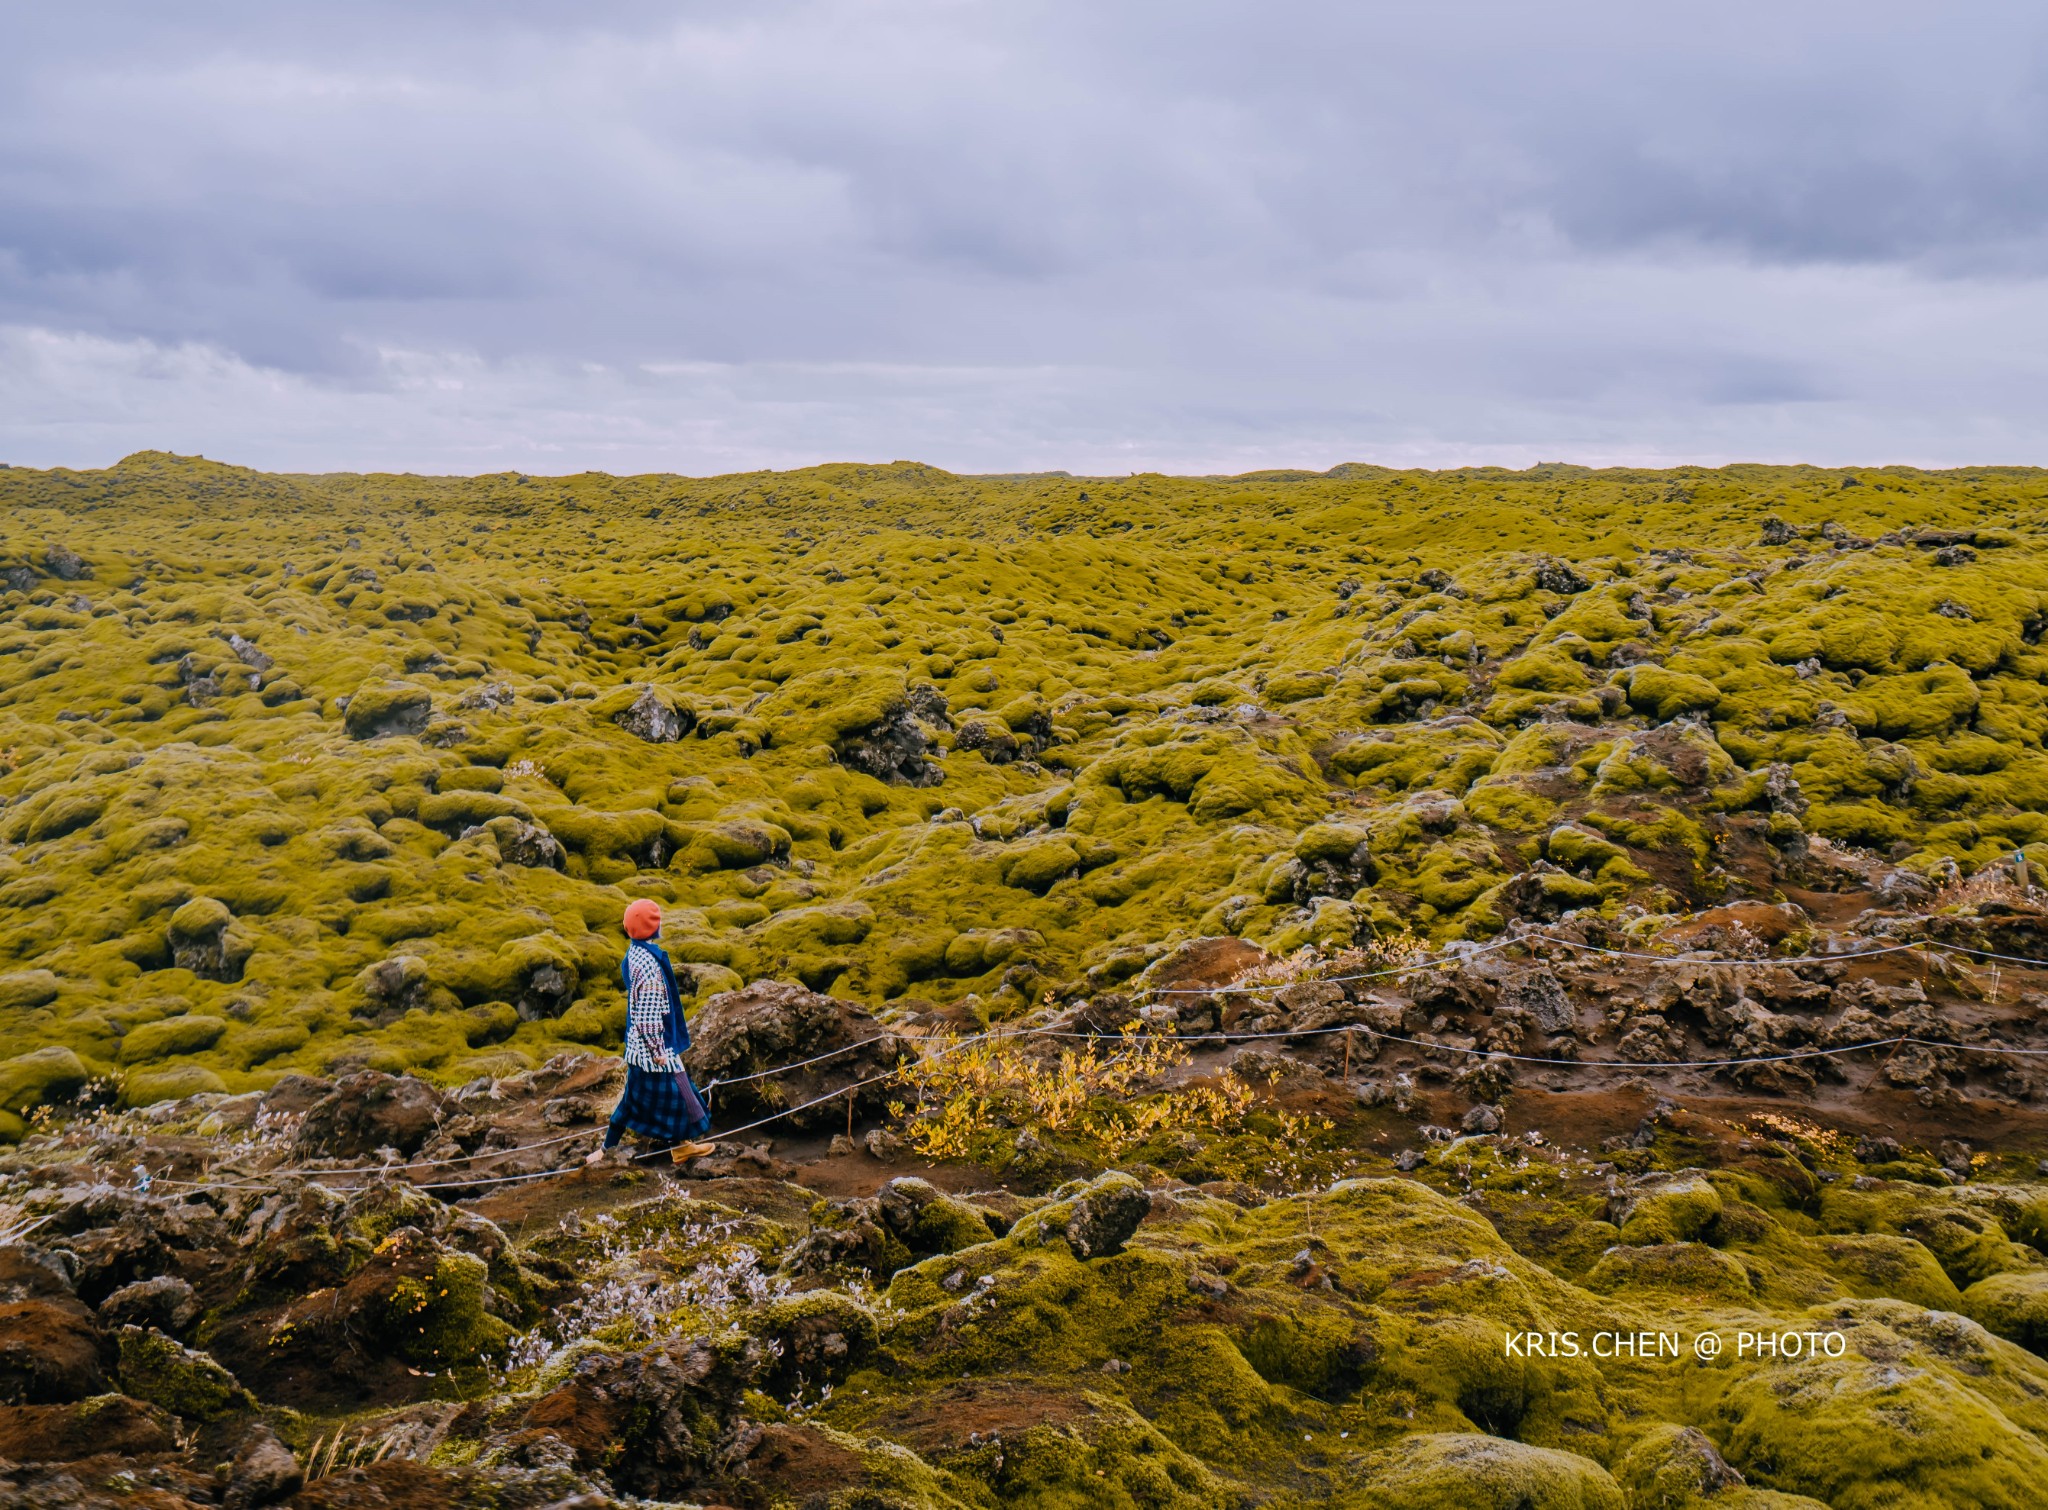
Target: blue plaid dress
{"points": [[661, 1102]]}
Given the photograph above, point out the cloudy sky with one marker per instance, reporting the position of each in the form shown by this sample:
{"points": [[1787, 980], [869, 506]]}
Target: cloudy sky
{"points": [[478, 235]]}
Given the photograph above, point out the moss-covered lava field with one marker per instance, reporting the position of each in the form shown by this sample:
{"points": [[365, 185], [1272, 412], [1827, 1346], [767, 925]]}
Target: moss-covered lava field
{"points": [[303, 773], [1469, 901]]}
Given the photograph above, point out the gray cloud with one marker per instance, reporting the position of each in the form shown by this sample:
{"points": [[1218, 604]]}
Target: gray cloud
{"points": [[466, 235]]}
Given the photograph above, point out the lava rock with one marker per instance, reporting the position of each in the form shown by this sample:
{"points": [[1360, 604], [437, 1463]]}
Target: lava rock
{"points": [[381, 710], [1539, 994], [200, 940], [368, 1111], [249, 653], [652, 1420], [165, 1302], [65, 563], [654, 718], [897, 746], [770, 1024], [929, 1221], [184, 1381], [264, 1472], [1105, 1215], [50, 1352], [1482, 1119], [528, 844], [1557, 576]]}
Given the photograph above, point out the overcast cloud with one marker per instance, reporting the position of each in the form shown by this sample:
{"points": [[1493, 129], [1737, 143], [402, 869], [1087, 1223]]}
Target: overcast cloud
{"points": [[1011, 236]]}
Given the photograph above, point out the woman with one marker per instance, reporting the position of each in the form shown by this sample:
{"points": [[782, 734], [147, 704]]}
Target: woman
{"points": [[660, 1103]]}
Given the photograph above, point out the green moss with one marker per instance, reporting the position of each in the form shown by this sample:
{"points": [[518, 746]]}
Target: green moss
{"points": [[439, 1319], [1457, 1471], [1507, 806], [1039, 864], [1677, 1468], [186, 1383], [2015, 1306], [148, 1087], [383, 708], [1870, 1265], [40, 1076], [1691, 1270], [1663, 694], [186, 1034], [1671, 1209], [1857, 1431], [1160, 710]]}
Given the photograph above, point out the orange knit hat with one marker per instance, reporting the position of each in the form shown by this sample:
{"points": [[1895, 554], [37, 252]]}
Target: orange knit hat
{"points": [[643, 919]]}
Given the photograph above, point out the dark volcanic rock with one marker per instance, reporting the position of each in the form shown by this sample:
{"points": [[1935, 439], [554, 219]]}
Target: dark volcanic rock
{"points": [[249, 653], [1105, 1215], [928, 1220], [1556, 576], [50, 1352], [295, 1095], [897, 746], [377, 712], [1538, 993], [1185, 979], [264, 1472], [368, 1111], [770, 1024], [654, 718], [65, 563], [655, 1420], [527, 844], [165, 1302]]}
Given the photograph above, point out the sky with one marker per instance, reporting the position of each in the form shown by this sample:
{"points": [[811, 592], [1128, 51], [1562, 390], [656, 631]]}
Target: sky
{"points": [[464, 236]]}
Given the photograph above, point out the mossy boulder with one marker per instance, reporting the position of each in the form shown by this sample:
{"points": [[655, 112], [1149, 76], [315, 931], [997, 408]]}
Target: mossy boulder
{"points": [[819, 1337], [378, 710], [440, 1318], [1874, 1264], [23, 989], [1692, 1270], [1674, 1208], [1664, 694], [175, 1083], [1460, 1471], [1858, 1430], [1093, 1219], [188, 1033], [2015, 1306], [1038, 864], [39, 1076], [1674, 1467], [181, 1380], [929, 1221]]}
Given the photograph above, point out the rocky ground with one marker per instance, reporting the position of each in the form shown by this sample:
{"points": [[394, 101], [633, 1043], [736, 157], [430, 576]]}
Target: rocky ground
{"points": [[374, 1292]]}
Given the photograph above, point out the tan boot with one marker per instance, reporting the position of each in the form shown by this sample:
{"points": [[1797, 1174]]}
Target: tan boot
{"points": [[682, 1153]]}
